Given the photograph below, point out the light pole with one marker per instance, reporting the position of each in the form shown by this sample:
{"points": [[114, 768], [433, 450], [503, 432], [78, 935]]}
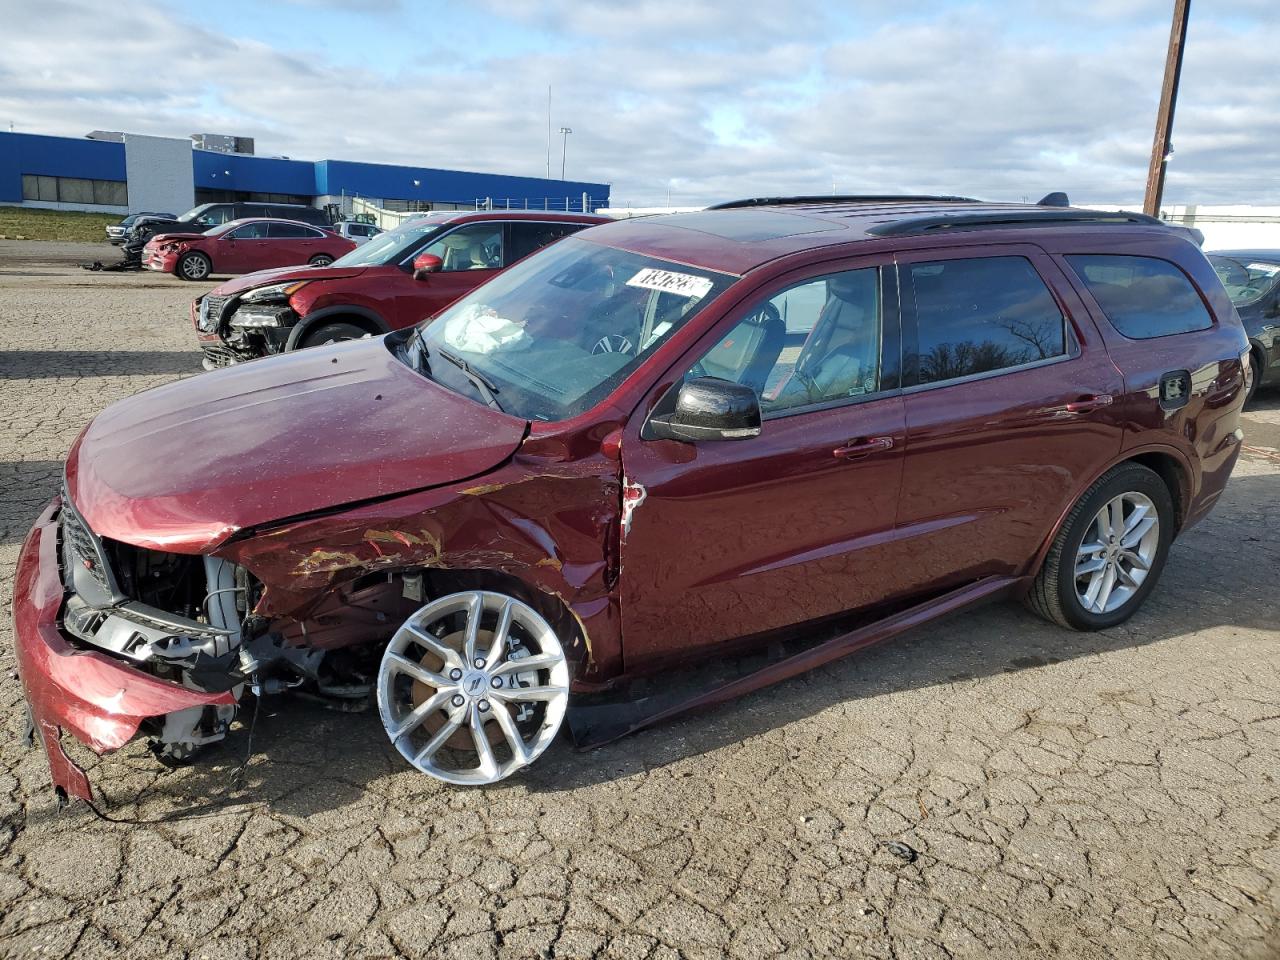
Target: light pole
{"points": [[564, 148]]}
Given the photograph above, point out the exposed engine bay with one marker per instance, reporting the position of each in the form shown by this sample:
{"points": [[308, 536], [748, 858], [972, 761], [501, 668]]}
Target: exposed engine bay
{"points": [[188, 619]]}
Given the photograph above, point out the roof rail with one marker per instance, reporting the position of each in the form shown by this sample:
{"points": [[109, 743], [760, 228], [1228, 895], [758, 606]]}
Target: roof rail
{"points": [[842, 198], [1030, 217]]}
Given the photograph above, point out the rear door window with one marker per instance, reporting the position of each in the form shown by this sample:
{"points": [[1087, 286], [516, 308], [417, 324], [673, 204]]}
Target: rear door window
{"points": [[528, 237], [290, 231], [1143, 297], [980, 315]]}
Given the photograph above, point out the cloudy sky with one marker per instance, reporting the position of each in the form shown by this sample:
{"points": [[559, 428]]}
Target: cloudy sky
{"points": [[694, 100]]}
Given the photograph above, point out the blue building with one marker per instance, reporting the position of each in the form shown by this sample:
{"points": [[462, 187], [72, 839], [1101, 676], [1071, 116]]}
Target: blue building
{"points": [[163, 174]]}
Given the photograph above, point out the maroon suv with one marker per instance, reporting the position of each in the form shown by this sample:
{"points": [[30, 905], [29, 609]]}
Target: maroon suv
{"points": [[393, 281], [798, 429]]}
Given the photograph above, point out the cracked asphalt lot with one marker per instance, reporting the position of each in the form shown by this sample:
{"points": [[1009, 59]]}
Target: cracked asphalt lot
{"points": [[1069, 795]]}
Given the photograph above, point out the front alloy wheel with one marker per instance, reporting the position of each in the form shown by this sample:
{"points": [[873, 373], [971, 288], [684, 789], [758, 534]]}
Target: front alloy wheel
{"points": [[473, 687]]}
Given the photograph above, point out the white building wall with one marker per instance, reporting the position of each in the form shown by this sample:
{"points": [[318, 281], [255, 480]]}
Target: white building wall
{"points": [[160, 173], [1225, 226]]}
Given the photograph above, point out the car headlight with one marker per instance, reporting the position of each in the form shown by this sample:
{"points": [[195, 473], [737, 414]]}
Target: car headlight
{"points": [[274, 293], [257, 315]]}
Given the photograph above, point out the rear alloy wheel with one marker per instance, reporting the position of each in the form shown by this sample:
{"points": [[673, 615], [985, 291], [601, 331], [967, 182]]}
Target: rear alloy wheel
{"points": [[473, 687], [194, 266], [1109, 553], [320, 260]]}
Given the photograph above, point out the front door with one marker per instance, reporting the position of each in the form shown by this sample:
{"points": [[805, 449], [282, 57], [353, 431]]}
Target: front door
{"points": [[472, 254], [243, 249], [1012, 403], [727, 539]]}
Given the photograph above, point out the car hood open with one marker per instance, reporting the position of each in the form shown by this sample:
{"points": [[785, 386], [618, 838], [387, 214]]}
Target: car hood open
{"points": [[262, 278], [184, 466]]}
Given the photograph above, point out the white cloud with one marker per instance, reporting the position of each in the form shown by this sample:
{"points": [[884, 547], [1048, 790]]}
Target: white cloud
{"points": [[726, 101]]}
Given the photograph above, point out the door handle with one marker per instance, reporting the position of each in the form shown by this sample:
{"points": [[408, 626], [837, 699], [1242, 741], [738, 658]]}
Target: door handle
{"points": [[857, 449], [1089, 403]]}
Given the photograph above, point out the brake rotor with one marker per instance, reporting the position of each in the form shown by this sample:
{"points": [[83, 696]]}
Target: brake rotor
{"points": [[421, 692]]}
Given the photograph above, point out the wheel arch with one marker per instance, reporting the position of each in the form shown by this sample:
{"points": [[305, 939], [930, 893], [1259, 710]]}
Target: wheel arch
{"points": [[569, 628], [362, 317], [1167, 463]]}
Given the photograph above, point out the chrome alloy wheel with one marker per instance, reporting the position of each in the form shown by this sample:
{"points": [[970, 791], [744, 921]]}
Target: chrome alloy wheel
{"points": [[473, 687], [194, 268], [1117, 552]]}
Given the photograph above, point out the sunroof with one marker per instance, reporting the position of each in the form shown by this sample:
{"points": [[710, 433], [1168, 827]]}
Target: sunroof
{"points": [[747, 226]]}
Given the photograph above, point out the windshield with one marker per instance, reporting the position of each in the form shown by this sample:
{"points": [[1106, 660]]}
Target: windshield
{"points": [[1246, 279], [194, 212], [393, 245], [555, 334]]}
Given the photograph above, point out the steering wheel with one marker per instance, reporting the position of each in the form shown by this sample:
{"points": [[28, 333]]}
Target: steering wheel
{"points": [[613, 343]]}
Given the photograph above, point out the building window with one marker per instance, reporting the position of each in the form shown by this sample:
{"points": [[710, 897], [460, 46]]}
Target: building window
{"points": [[114, 193]]}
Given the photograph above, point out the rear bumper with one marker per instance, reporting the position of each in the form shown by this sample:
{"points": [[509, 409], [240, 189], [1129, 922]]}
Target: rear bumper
{"points": [[97, 699]]}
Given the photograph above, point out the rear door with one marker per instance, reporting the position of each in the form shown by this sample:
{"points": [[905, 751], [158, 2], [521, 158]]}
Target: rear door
{"points": [[1010, 405], [291, 244], [727, 539]]}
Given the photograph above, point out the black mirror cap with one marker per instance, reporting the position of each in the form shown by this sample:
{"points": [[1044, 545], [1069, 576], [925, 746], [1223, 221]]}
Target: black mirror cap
{"points": [[709, 408]]}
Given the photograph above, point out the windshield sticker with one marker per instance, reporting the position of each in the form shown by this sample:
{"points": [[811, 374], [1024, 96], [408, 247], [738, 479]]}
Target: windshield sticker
{"points": [[667, 281]]}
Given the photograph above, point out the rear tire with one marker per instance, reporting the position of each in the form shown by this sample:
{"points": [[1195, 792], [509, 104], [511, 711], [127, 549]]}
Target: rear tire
{"points": [[193, 266], [1256, 366], [333, 333], [1060, 591], [320, 260]]}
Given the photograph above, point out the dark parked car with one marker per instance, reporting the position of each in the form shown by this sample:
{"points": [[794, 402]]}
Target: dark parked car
{"points": [[244, 246], [800, 428], [394, 280], [208, 215], [1252, 279], [118, 232]]}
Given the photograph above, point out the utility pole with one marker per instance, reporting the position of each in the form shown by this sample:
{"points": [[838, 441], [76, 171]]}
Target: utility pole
{"points": [[564, 131], [1160, 149]]}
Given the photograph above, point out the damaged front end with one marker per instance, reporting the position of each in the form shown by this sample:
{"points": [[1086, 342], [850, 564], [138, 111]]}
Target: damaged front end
{"points": [[238, 327]]}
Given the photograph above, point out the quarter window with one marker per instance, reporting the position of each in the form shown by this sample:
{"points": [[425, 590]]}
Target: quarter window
{"points": [[813, 343], [983, 314], [1143, 297], [476, 246]]}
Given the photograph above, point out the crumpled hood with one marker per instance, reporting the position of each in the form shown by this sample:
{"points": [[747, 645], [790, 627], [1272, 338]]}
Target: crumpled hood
{"points": [[262, 278], [184, 466], [158, 238]]}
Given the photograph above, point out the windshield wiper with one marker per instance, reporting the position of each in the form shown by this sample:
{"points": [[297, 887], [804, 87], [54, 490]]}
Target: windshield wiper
{"points": [[483, 386]]}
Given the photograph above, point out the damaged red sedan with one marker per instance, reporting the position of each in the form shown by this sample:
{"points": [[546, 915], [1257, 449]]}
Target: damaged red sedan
{"points": [[765, 435]]}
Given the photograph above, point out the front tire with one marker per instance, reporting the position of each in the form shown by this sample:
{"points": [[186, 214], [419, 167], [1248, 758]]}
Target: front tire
{"points": [[194, 266], [473, 687], [1109, 552], [1256, 366], [333, 333]]}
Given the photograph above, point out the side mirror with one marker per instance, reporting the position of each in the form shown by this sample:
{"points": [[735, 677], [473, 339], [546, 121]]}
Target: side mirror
{"points": [[708, 408], [424, 264]]}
